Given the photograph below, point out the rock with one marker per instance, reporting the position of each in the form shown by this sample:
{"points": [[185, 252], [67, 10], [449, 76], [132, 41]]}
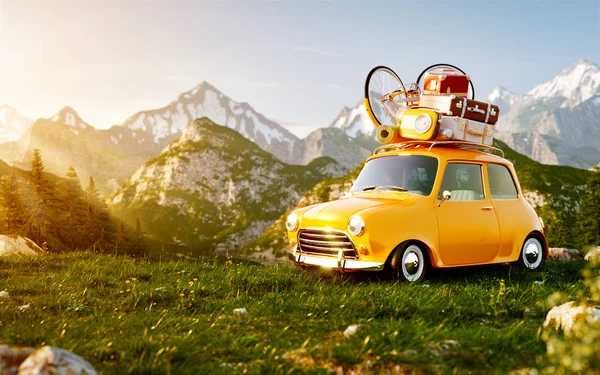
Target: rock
{"points": [[240, 311], [594, 254], [11, 357], [16, 245], [563, 254], [538, 282], [24, 307], [4, 294], [49, 360], [565, 316], [351, 330]]}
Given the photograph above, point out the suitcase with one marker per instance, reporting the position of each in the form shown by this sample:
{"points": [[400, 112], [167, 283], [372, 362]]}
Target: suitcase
{"points": [[460, 129], [453, 105], [446, 83]]}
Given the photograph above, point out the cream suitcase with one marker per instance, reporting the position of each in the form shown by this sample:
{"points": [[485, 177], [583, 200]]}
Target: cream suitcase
{"points": [[460, 129]]}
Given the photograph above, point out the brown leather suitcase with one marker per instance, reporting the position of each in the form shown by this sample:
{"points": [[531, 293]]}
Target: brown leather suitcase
{"points": [[453, 105], [446, 83]]}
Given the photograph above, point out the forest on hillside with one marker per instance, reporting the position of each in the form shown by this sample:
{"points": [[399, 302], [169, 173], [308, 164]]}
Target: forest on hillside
{"points": [[59, 215]]}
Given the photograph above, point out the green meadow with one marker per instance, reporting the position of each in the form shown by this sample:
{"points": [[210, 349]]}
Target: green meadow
{"points": [[177, 317]]}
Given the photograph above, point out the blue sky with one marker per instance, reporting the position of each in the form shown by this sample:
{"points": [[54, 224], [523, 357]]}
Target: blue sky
{"points": [[294, 61]]}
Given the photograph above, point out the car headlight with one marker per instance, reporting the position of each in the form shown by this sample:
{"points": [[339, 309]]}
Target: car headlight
{"points": [[423, 123], [356, 225], [291, 223]]}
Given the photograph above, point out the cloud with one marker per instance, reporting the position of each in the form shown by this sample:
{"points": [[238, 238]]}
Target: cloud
{"points": [[316, 51]]}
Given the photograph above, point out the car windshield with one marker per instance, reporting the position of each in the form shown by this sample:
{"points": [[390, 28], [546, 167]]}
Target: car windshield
{"points": [[412, 173]]}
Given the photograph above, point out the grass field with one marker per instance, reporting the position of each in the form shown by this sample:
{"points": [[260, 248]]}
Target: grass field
{"points": [[140, 317]]}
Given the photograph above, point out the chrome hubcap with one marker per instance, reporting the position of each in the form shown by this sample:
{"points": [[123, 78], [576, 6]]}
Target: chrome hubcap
{"points": [[412, 263], [532, 253]]}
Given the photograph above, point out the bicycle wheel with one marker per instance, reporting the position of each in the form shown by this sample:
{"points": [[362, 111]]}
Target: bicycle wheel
{"points": [[382, 81], [436, 67]]}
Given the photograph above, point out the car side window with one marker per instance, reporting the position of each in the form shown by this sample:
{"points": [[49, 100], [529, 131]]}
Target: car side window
{"points": [[463, 181], [502, 185]]}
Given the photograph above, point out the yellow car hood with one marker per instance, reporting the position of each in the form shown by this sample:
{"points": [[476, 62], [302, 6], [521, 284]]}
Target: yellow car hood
{"points": [[336, 214]]}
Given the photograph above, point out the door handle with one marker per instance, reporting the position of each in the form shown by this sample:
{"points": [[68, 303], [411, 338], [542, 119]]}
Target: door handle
{"points": [[487, 208]]}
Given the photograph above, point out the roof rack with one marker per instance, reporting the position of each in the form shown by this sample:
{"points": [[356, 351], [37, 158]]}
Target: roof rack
{"points": [[430, 144]]}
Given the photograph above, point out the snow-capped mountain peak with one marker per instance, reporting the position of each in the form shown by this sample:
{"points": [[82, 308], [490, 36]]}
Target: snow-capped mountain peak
{"points": [[12, 124], [69, 116], [499, 93], [576, 83], [205, 100], [354, 121]]}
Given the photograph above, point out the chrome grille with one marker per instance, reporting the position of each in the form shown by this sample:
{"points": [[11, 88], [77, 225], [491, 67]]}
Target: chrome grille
{"points": [[325, 242]]}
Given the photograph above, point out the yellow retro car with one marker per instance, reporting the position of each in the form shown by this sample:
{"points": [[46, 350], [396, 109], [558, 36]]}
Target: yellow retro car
{"points": [[417, 205]]}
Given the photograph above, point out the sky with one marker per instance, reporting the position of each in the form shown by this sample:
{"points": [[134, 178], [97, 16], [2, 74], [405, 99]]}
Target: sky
{"points": [[298, 62]]}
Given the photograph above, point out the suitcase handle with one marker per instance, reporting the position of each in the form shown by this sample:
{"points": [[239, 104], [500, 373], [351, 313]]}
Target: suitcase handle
{"points": [[474, 133]]}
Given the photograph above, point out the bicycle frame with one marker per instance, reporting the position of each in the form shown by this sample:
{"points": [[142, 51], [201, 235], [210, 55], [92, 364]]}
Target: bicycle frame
{"points": [[410, 99]]}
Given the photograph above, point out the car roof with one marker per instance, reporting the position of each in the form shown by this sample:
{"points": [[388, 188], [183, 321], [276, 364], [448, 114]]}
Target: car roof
{"points": [[444, 152]]}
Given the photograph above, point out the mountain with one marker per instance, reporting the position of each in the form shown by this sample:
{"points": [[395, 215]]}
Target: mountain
{"points": [[557, 121], [354, 121], [553, 190], [214, 186], [68, 116], [163, 125], [111, 155], [12, 124], [66, 140], [332, 142]]}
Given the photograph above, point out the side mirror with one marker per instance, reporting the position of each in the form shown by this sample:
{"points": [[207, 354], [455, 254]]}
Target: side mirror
{"points": [[446, 195]]}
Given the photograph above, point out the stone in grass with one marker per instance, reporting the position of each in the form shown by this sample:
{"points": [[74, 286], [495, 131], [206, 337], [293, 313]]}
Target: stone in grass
{"points": [[4, 294], [566, 315], [49, 360], [16, 245], [351, 330], [563, 254], [11, 357], [241, 311], [594, 254]]}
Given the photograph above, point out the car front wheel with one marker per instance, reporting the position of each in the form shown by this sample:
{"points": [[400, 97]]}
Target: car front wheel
{"points": [[532, 254], [409, 263]]}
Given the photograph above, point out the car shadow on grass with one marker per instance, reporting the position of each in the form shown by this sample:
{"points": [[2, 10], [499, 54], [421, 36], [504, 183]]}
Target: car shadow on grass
{"points": [[551, 273]]}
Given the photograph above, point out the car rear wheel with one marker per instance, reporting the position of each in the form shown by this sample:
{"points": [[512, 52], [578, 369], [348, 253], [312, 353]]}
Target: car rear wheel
{"points": [[532, 254], [409, 263]]}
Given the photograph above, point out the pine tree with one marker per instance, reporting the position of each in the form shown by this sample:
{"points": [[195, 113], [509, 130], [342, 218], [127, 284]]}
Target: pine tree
{"points": [[74, 212], [138, 247], [12, 206], [97, 219], [588, 224], [39, 201], [122, 241]]}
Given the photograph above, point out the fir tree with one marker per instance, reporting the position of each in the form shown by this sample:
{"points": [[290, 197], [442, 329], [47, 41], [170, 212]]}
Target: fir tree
{"points": [[12, 206], [588, 225], [97, 219], [122, 241], [74, 211], [42, 198], [138, 247]]}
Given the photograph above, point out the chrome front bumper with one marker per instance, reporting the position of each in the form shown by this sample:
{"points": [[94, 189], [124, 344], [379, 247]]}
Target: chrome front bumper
{"points": [[338, 263]]}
